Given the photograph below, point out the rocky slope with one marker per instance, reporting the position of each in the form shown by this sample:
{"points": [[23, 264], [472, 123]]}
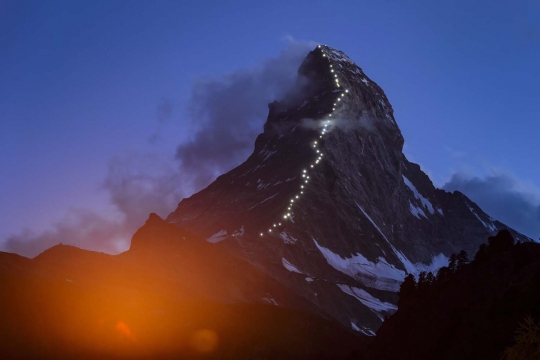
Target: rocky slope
{"points": [[328, 205]]}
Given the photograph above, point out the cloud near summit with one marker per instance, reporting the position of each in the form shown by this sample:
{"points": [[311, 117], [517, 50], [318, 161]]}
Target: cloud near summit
{"points": [[228, 113]]}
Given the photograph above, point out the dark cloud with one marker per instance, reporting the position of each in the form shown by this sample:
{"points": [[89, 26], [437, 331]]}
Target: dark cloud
{"points": [[503, 197], [229, 112]]}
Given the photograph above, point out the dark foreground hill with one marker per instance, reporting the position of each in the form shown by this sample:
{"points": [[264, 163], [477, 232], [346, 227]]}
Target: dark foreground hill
{"points": [[469, 312], [155, 301]]}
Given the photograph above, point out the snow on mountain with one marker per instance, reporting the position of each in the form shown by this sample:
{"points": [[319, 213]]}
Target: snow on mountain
{"points": [[329, 205]]}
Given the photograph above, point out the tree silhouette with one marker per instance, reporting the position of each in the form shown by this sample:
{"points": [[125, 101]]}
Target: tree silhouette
{"points": [[461, 259], [407, 291], [501, 242], [443, 274], [527, 342]]}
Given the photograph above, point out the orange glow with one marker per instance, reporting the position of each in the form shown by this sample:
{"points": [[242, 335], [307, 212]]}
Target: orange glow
{"points": [[125, 331], [204, 341]]}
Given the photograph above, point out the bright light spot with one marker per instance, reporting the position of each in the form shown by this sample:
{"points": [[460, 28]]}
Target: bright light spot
{"points": [[306, 181], [297, 196], [346, 90], [261, 234], [342, 94], [288, 214], [301, 186], [269, 230], [323, 54], [285, 216], [279, 224], [301, 192], [125, 331], [274, 225], [304, 170], [311, 166]]}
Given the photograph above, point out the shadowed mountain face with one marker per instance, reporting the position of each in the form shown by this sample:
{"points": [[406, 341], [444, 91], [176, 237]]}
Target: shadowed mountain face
{"points": [[171, 296], [329, 206]]}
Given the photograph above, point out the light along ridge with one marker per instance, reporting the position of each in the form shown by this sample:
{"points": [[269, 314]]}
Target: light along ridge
{"points": [[318, 153]]}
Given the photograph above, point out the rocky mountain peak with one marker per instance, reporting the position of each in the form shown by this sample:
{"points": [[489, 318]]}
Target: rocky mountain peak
{"points": [[328, 204]]}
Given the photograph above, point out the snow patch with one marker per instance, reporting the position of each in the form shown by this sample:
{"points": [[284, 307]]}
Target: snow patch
{"points": [[290, 266], [380, 275], [217, 237], [270, 300], [287, 239], [491, 226], [437, 262], [416, 211], [406, 263], [239, 232], [439, 210], [374, 304], [268, 198], [308, 279], [418, 196]]}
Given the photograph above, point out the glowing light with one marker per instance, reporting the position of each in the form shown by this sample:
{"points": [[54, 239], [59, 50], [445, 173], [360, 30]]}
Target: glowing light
{"points": [[275, 225], [297, 196], [279, 224], [311, 166], [332, 70], [301, 186], [308, 177], [285, 216], [288, 214], [330, 65], [303, 175], [319, 46], [305, 170], [301, 192], [342, 94], [317, 151], [261, 234], [346, 90], [306, 181], [323, 54], [269, 230], [288, 208], [338, 99]]}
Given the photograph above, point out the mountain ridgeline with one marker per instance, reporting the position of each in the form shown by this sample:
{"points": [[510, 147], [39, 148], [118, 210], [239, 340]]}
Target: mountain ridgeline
{"points": [[328, 205], [297, 253]]}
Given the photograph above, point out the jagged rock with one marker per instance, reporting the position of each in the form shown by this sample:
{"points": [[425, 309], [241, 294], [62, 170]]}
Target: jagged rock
{"points": [[365, 218]]}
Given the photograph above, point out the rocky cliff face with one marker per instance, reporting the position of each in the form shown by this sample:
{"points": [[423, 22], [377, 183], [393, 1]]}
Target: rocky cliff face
{"points": [[329, 206]]}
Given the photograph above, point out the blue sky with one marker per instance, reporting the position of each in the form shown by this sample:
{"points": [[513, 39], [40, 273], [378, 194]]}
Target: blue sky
{"points": [[84, 85]]}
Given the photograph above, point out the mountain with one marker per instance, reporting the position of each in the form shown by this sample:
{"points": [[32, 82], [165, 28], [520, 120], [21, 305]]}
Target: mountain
{"points": [[329, 206], [471, 313], [171, 296], [296, 253]]}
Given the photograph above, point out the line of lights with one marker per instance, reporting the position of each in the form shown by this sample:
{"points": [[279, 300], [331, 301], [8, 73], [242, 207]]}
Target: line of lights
{"points": [[318, 153]]}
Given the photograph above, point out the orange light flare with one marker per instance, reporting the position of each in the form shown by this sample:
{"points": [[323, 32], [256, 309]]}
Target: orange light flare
{"points": [[125, 332]]}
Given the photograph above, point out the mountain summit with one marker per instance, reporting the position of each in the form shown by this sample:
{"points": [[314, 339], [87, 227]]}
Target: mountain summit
{"points": [[328, 205]]}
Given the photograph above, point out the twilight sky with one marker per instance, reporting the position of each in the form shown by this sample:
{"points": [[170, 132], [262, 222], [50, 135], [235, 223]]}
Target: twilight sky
{"points": [[110, 110]]}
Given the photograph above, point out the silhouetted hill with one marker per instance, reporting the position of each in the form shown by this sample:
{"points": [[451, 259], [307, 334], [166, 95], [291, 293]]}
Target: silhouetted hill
{"points": [[156, 301], [469, 312]]}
